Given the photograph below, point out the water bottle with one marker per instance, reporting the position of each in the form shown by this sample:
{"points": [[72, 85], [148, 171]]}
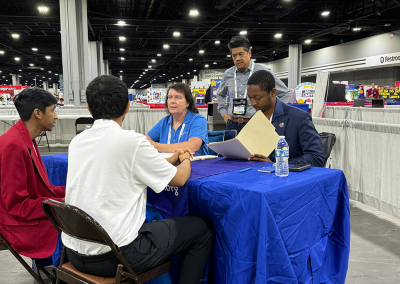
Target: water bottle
{"points": [[282, 157]]}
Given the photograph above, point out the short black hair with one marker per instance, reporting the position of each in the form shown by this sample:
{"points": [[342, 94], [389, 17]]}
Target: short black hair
{"points": [[264, 79], [239, 41], [107, 97], [183, 89], [33, 98]]}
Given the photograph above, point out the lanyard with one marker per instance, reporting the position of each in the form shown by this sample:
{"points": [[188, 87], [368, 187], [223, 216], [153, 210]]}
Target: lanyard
{"points": [[180, 134], [234, 78]]}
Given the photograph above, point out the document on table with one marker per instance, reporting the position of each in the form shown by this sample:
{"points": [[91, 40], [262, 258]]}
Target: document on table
{"points": [[257, 137], [195, 158]]}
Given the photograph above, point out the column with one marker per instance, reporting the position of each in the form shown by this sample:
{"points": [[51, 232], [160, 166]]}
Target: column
{"points": [[55, 89], [105, 63], [15, 79], [74, 46], [46, 85], [295, 53], [93, 67]]}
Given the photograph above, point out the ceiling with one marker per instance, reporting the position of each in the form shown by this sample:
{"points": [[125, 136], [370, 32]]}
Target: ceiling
{"points": [[149, 25]]}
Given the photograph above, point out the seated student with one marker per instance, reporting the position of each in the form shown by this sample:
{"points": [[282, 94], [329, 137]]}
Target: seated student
{"points": [[109, 170], [305, 145], [24, 181], [184, 127]]}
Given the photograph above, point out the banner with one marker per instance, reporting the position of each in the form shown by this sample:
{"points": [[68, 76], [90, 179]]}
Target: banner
{"points": [[213, 89], [305, 93]]}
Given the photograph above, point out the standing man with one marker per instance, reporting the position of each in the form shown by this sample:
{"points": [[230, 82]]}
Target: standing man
{"points": [[234, 80], [24, 183], [373, 92]]}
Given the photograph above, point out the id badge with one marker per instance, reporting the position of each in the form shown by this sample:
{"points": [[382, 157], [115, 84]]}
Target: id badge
{"points": [[239, 106]]}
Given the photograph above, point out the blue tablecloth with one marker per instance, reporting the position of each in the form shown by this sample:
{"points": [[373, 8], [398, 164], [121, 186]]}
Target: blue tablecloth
{"points": [[276, 230], [267, 229]]}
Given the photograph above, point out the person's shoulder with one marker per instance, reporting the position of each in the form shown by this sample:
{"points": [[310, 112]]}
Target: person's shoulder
{"points": [[259, 66], [229, 71]]}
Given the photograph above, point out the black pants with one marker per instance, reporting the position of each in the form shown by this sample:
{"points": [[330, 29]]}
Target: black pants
{"points": [[157, 241], [233, 125]]}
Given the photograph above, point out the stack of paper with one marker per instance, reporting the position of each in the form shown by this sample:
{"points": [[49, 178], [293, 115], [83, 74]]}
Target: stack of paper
{"points": [[257, 137]]}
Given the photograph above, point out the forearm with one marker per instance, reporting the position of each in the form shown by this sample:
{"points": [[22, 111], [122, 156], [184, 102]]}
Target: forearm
{"points": [[182, 174], [171, 148]]}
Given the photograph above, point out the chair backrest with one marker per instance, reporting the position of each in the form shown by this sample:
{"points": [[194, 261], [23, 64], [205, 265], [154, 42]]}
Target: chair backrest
{"points": [[84, 120], [78, 224], [328, 140]]}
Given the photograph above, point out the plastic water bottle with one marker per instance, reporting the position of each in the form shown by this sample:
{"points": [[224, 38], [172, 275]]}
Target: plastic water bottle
{"points": [[282, 157]]}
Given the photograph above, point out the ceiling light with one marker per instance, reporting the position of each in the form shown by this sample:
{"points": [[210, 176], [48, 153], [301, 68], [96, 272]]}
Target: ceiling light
{"points": [[194, 13], [206, 65], [150, 66], [17, 58], [176, 34], [121, 23], [56, 74], [325, 13], [388, 25], [166, 46], [19, 70], [1, 51], [159, 54], [15, 35], [43, 9], [217, 42], [188, 73], [31, 64], [214, 63], [153, 60], [34, 49], [308, 41], [42, 69], [122, 38], [122, 49], [121, 71], [194, 70], [181, 75], [278, 35], [228, 55], [146, 70], [163, 74], [49, 71], [201, 51], [243, 32], [356, 29], [47, 57], [122, 58], [190, 59]]}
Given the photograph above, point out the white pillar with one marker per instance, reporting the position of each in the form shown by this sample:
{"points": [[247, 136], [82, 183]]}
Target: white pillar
{"points": [[105, 63], [55, 88], [46, 85], [74, 46], [295, 53], [15, 79]]}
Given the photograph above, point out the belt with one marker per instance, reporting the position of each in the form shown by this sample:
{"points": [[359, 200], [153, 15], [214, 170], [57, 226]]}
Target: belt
{"points": [[240, 119]]}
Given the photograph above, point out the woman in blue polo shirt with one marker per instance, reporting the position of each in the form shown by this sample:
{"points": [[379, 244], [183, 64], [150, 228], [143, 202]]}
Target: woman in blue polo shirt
{"points": [[184, 127]]}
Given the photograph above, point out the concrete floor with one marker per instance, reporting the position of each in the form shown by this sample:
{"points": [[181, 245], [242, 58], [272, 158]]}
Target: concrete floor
{"points": [[374, 255]]}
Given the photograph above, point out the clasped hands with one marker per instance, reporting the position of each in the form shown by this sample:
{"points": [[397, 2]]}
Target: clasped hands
{"points": [[179, 156]]}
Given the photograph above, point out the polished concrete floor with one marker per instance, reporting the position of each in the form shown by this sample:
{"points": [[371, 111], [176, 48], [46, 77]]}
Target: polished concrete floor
{"points": [[374, 254]]}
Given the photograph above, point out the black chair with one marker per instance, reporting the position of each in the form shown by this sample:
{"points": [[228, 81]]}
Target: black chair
{"points": [[76, 223], [5, 245], [88, 121], [41, 135], [328, 140]]}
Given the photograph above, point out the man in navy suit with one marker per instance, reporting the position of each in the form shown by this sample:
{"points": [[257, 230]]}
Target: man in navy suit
{"points": [[305, 145]]}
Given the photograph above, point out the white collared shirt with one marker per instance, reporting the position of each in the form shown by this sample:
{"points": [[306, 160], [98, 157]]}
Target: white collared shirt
{"points": [[109, 170]]}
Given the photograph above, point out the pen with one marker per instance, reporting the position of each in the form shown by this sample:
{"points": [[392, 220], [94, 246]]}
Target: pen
{"points": [[244, 170]]}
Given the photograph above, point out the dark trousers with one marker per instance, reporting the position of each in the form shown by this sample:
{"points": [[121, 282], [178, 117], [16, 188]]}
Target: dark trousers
{"points": [[232, 125], [189, 236]]}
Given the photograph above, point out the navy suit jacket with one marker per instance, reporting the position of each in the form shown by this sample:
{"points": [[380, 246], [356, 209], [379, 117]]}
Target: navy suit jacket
{"points": [[305, 145]]}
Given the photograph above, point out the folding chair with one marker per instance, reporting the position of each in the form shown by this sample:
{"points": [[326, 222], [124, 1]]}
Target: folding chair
{"points": [[83, 121], [41, 135], [5, 245], [328, 140], [78, 224]]}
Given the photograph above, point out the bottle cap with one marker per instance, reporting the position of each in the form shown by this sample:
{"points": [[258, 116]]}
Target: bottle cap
{"points": [[282, 137]]}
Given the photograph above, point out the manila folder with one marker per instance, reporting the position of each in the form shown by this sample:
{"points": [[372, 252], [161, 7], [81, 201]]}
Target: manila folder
{"points": [[257, 137]]}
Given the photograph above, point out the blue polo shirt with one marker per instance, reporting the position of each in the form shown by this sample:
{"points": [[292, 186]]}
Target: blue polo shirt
{"points": [[195, 126]]}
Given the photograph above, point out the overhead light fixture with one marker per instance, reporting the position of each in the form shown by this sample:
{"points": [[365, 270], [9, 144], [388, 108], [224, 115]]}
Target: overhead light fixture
{"points": [[121, 23], [356, 29], [1, 51], [122, 58], [159, 54], [194, 13], [206, 65], [176, 34], [150, 66], [17, 58], [181, 75], [166, 46], [122, 49], [145, 70], [56, 74], [19, 70], [49, 71], [122, 38], [48, 57], [325, 13], [214, 63], [278, 35], [308, 41], [15, 35], [42, 69], [194, 70], [188, 73], [43, 9], [243, 32], [229, 55], [31, 64], [34, 49], [190, 59], [388, 25], [153, 60], [201, 51], [217, 42], [121, 71]]}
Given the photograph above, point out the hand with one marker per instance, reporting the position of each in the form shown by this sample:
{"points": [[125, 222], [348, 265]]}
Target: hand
{"points": [[259, 157], [226, 117], [185, 154], [174, 159], [63, 200]]}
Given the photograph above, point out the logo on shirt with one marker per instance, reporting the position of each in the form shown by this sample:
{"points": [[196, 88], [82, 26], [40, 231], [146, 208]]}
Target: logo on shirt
{"points": [[281, 125], [172, 188]]}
